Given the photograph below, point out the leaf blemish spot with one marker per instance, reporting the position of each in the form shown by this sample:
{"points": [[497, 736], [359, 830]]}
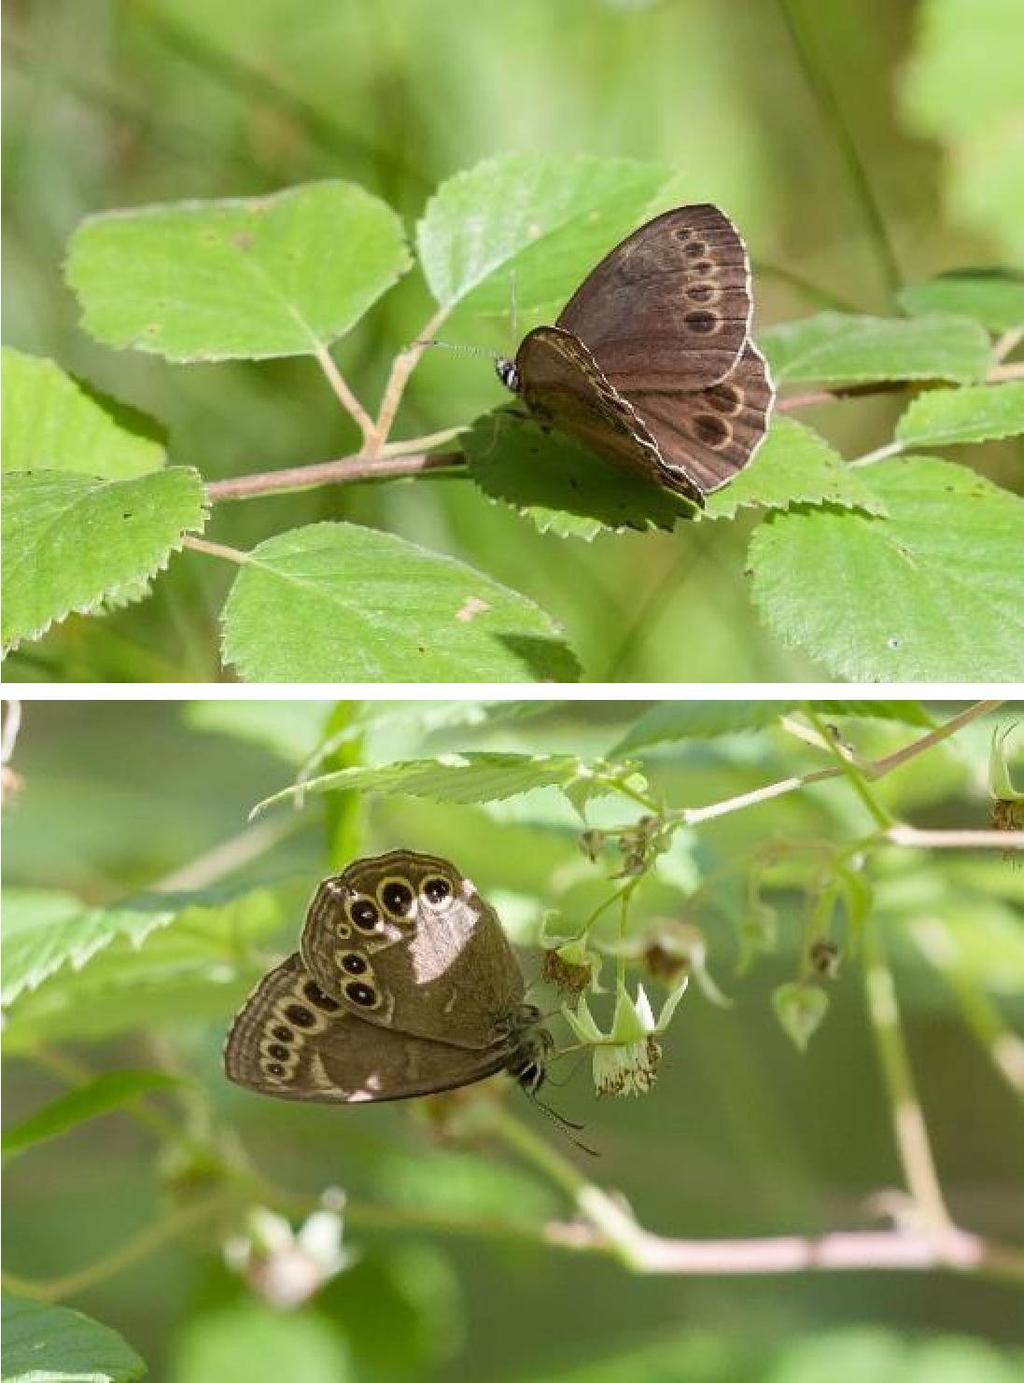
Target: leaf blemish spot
{"points": [[472, 607]]}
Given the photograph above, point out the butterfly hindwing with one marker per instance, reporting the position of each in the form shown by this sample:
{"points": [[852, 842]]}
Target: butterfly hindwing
{"points": [[711, 434], [671, 305], [406, 942], [293, 1040]]}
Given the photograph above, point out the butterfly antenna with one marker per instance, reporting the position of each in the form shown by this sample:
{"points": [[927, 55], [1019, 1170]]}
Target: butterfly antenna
{"points": [[564, 1124], [460, 348], [513, 314]]}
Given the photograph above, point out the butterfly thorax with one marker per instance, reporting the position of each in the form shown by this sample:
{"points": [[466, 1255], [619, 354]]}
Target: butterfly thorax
{"points": [[529, 1045], [507, 373]]}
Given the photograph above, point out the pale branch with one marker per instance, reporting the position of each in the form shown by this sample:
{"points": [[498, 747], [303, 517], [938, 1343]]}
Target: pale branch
{"points": [[401, 370], [229, 554], [879, 768], [954, 840], [910, 1129], [341, 471], [344, 394]]}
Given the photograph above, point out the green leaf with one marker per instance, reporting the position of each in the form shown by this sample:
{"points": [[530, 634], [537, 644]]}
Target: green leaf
{"points": [[50, 1344], [840, 349], [948, 417], [480, 776], [684, 720], [559, 485], [933, 593], [54, 422], [549, 216], [800, 1009], [993, 297], [239, 278], [794, 465], [334, 602], [107, 1092], [262, 1346], [199, 962], [44, 930], [74, 543]]}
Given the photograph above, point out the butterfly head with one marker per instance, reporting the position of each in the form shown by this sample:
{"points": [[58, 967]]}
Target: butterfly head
{"points": [[506, 371]]}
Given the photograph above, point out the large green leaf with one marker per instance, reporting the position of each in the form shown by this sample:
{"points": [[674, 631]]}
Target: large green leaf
{"points": [[199, 962], [993, 297], [50, 1344], [479, 776], [550, 217], [561, 486], [794, 465], [840, 349], [53, 422], [335, 602], [108, 1092], [75, 543], [933, 593], [947, 417], [240, 278]]}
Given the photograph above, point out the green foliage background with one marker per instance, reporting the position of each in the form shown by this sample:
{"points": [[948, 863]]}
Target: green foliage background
{"points": [[741, 1136], [122, 104]]}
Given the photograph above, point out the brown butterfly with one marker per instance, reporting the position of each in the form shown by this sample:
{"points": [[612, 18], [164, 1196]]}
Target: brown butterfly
{"points": [[650, 362], [403, 985]]}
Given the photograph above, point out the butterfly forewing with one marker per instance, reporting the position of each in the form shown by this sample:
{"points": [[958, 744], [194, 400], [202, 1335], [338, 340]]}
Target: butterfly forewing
{"points": [[407, 943], [670, 305], [561, 384], [293, 1040]]}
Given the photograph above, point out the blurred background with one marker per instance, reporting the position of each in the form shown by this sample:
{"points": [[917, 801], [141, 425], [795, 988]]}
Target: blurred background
{"points": [[741, 1136], [812, 123]]}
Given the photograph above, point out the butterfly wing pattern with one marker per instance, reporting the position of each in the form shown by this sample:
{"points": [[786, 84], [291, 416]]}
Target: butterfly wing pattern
{"points": [[651, 363], [293, 1040], [404, 985]]}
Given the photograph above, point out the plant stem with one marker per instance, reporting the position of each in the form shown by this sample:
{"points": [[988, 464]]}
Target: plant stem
{"points": [[230, 554], [345, 469], [909, 1126], [344, 394], [833, 114], [401, 370], [850, 771]]}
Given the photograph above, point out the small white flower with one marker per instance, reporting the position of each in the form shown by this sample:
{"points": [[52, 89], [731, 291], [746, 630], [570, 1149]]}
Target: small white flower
{"points": [[625, 1059], [286, 1268]]}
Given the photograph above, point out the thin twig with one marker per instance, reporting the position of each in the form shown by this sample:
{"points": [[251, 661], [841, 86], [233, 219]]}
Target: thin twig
{"points": [[401, 370], [954, 840], [228, 857], [344, 394], [909, 1126], [692, 816], [1007, 343], [230, 554], [346, 468]]}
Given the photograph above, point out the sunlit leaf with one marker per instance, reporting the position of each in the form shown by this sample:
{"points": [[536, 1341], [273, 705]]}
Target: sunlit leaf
{"points": [[477, 776], [74, 543], [50, 1344], [198, 962], [932, 593], [335, 602], [53, 422], [839, 349], [549, 217], [948, 417], [993, 297], [794, 465], [239, 278]]}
